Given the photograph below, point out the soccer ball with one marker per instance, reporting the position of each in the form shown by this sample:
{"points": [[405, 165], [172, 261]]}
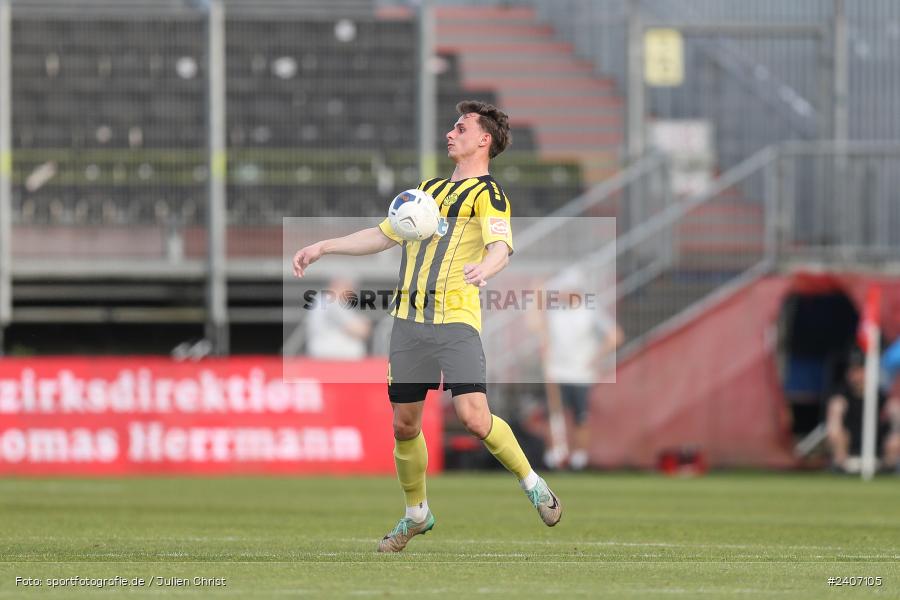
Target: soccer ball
{"points": [[414, 215]]}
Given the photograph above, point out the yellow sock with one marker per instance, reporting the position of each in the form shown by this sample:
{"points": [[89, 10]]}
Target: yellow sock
{"points": [[411, 460], [503, 445]]}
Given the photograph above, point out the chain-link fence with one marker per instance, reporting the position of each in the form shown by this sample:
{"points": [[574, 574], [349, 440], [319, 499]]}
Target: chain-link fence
{"points": [[110, 126], [114, 109], [111, 166], [854, 215], [757, 86], [761, 72]]}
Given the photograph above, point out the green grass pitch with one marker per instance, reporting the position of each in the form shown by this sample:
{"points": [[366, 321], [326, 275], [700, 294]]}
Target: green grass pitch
{"points": [[744, 535]]}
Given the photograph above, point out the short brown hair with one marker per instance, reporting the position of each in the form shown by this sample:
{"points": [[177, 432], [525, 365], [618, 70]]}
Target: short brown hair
{"points": [[492, 120]]}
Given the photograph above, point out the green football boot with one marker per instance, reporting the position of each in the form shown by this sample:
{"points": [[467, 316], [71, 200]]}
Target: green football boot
{"points": [[400, 535], [546, 503]]}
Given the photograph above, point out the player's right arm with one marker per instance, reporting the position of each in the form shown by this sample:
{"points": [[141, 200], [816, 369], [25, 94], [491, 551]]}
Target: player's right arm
{"points": [[361, 243]]}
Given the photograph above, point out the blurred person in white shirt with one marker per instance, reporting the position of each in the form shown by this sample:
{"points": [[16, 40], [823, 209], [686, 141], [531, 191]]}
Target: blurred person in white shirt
{"points": [[577, 339], [335, 330]]}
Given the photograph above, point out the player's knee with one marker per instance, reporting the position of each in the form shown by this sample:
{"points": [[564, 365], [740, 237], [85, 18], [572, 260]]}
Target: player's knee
{"points": [[477, 422], [405, 430]]}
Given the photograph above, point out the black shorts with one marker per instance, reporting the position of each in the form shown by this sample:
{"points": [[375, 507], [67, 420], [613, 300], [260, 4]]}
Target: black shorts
{"points": [[575, 398], [420, 352]]}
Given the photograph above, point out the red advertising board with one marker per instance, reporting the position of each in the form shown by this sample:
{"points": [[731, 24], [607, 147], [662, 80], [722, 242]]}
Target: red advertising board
{"points": [[127, 416]]}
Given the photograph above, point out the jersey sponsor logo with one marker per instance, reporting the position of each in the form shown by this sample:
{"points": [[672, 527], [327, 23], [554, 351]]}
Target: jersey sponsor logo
{"points": [[451, 199], [443, 227], [498, 226]]}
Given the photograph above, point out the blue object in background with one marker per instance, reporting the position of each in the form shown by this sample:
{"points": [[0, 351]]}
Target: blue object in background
{"points": [[890, 365], [805, 375]]}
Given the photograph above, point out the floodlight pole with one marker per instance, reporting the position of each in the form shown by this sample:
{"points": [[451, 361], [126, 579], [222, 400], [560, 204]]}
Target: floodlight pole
{"points": [[635, 134], [841, 89], [5, 168], [426, 92], [216, 290], [840, 122], [635, 129]]}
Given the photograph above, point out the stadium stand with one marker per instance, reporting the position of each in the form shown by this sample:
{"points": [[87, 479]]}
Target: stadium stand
{"points": [[118, 105], [109, 139], [573, 113]]}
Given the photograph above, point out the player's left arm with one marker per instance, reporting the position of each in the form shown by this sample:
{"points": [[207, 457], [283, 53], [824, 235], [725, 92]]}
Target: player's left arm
{"points": [[494, 261], [494, 215]]}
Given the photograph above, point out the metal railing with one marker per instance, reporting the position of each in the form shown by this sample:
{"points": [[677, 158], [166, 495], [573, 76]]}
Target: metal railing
{"points": [[630, 198], [692, 251]]}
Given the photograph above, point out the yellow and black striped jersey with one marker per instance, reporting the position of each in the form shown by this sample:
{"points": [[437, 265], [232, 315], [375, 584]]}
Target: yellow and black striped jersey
{"points": [[432, 288]]}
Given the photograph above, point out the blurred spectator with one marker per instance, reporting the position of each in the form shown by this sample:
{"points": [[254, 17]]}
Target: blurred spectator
{"points": [[845, 420], [890, 366], [577, 338], [334, 329]]}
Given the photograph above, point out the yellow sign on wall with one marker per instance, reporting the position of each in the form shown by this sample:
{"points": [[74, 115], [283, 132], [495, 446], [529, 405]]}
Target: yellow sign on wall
{"points": [[663, 58]]}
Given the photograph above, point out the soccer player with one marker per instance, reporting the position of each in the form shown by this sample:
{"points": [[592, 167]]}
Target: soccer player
{"points": [[437, 315]]}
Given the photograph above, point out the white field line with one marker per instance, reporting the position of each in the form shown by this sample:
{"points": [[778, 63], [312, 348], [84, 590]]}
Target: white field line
{"points": [[422, 557], [469, 559], [612, 543], [373, 540]]}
